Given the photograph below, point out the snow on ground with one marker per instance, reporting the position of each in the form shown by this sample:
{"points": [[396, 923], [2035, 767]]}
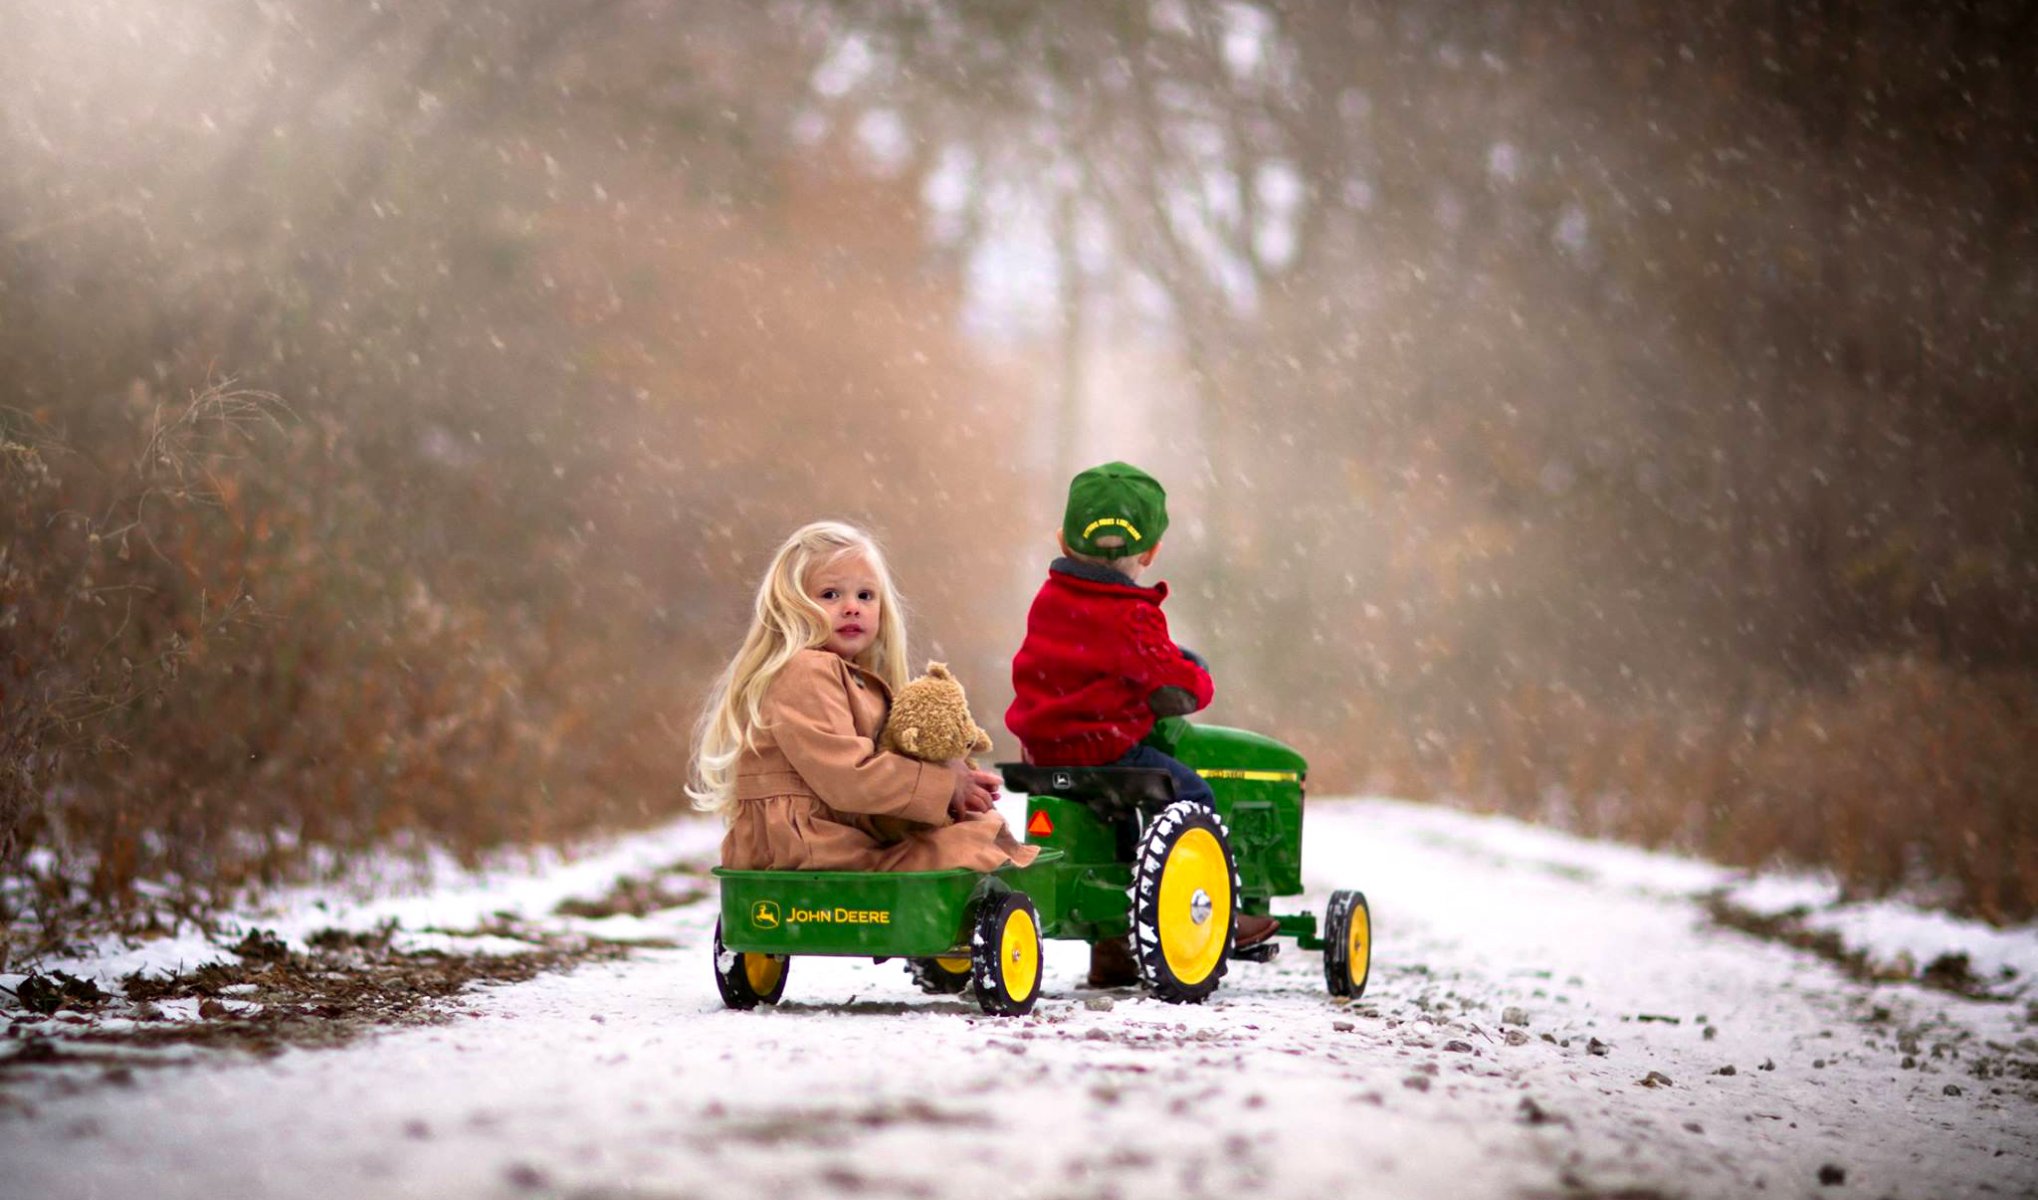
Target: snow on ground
{"points": [[1655, 1054]]}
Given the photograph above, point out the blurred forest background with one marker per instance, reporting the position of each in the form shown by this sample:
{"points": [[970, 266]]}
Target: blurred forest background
{"points": [[1621, 416]]}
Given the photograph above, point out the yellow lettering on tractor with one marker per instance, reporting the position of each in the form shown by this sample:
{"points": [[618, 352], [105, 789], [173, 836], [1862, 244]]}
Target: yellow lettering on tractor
{"points": [[1255, 776], [839, 916]]}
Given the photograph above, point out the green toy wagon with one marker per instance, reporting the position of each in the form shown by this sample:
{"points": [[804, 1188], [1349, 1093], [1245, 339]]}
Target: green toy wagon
{"points": [[1120, 856]]}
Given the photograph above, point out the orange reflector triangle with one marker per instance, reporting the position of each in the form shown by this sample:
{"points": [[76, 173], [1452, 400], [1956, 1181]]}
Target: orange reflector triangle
{"points": [[1040, 826]]}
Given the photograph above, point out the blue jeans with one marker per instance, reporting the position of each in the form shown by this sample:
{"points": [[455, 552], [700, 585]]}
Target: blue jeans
{"points": [[1188, 784]]}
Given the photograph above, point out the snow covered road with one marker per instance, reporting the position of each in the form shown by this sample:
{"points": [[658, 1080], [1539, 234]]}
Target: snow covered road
{"points": [[1652, 1054]]}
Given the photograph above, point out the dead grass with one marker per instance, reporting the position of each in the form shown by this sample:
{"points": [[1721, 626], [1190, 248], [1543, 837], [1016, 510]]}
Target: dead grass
{"points": [[1915, 778], [217, 654]]}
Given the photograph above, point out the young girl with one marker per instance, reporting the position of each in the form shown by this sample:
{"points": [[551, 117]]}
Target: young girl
{"points": [[786, 749]]}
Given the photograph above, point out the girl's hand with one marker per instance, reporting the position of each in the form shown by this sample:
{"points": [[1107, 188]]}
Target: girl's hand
{"points": [[975, 791]]}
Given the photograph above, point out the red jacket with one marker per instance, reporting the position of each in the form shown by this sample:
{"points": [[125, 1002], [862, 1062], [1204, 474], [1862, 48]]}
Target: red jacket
{"points": [[1095, 651]]}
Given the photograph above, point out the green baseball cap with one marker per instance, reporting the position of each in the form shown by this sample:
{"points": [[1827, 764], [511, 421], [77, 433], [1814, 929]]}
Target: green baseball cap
{"points": [[1116, 501]]}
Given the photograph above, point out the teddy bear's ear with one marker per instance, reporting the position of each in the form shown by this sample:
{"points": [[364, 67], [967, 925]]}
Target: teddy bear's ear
{"points": [[938, 670], [908, 739]]}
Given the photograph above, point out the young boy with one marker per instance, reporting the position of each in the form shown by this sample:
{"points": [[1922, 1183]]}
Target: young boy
{"points": [[1098, 667]]}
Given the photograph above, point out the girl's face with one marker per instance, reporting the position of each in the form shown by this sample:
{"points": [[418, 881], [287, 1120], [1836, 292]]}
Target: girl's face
{"points": [[847, 592]]}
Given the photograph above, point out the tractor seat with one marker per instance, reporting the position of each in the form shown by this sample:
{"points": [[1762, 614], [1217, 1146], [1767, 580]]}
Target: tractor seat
{"points": [[1110, 792]]}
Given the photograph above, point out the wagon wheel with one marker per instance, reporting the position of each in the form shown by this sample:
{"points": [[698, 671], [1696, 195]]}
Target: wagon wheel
{"points": [[943, 976], [747, 980], [1005, 955], [1347, 944], [1184, 881]]}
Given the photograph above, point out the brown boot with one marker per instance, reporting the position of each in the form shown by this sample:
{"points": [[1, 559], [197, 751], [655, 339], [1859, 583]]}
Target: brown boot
{"points": [[1252, 930], [1112, 964]]}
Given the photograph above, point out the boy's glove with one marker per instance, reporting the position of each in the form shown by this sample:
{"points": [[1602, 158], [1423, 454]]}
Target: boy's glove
{"points": [[1176, 701]]}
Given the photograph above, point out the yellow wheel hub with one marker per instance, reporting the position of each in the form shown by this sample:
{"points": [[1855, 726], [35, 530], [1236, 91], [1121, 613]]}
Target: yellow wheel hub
{"points": [[1195, 906], [1019, 954], [959, 965], [763, 971], [1358, 944]]}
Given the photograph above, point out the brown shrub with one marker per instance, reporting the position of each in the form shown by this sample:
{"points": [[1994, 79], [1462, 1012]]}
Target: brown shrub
{"points": [[1915, 774], [1914, 777], [217, 658]]}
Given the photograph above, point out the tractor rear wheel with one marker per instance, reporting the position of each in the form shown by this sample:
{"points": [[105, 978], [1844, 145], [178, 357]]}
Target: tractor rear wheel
{"points": [[748, 980], [1184, 886], [940, 976], [1347, 944], [1005, 955]]}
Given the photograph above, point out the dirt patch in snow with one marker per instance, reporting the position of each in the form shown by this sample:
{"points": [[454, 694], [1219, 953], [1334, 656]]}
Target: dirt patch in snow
{"points": [[1577, 1189], [830, 1126], [640, 895], [343, 985], [1952, 973]]}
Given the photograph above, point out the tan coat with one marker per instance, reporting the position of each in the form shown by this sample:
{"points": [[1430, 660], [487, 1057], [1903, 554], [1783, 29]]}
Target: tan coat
{"points": [[816, 794]]}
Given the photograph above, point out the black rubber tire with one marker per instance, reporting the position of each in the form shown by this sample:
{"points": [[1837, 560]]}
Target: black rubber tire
{"points": [[1347, 944], [1180, 983], [1003, 989], [733, 977], [937, 980]]}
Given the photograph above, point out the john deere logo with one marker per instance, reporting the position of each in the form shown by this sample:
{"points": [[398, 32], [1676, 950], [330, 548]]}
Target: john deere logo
{"points": [[764, 914]]}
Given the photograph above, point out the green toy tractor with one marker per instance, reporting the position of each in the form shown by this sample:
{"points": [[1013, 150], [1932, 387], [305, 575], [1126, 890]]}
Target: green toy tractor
{"points": [[1120, 857]]}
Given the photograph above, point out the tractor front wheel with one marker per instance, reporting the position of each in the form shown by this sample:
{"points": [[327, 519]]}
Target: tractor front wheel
{"points": [[1184, 886], [748, 980], [1347, 944], [1005, 955]]}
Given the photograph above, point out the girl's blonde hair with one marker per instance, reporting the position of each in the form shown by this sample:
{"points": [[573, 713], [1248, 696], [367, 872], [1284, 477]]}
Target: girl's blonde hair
{"points": [[786, 622]]}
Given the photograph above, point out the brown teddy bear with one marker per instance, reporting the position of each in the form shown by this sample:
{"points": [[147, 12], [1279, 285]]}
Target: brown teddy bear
{"points": [[930, 720]]}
